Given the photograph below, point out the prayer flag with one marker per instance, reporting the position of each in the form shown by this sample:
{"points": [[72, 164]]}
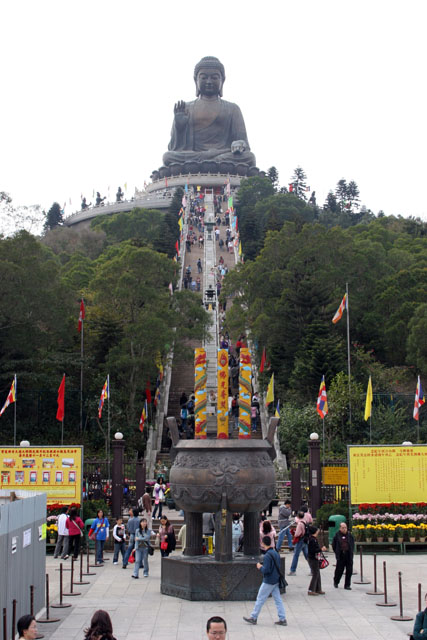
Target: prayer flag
{"points": [[148, 392], [270, 391], [186, 187], [105, 393], [177, 247], [340, 310], [81, 315], [143, 417], [368, 405], [171, 288], [263, 360], [322, 400], [291, 188], [180, 224], [419, 399], [11, 396], [277, 412], [184, 201], [61, 400], [240, 249]]}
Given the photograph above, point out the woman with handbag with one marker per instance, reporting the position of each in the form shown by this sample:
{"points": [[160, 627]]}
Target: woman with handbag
{"points": [[75, 528], [142, 548], [167, 537], [99, 532], [315, 587]]}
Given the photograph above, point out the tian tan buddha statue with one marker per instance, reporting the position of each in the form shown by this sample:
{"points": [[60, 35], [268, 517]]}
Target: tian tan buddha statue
{"points": [[208, 134]]}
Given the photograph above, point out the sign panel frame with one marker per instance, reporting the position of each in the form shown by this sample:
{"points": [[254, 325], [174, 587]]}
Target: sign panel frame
{"points": [[403, 466], [58, 471]]}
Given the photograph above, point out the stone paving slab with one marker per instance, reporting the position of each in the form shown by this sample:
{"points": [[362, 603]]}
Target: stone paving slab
{"points": [[140, 612]]}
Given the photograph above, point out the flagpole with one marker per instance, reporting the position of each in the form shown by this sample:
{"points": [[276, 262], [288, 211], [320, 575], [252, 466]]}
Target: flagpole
{"points": [[108, 427], [62, 421], [14, 415], [323, 436], [81, 375], [370, 429], [348, 353]]}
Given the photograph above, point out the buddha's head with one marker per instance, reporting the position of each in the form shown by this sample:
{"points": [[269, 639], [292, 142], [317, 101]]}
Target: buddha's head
{"points": [[209, 76]]}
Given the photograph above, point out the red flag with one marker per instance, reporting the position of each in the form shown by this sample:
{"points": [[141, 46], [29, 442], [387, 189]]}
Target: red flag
{"points": [[148, 392], [81, 315], [263, 360], [61, 400], [177, 247]]}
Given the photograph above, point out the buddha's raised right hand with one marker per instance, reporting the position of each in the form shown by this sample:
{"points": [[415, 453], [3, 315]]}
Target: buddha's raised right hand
{"points": [[180, 107]]}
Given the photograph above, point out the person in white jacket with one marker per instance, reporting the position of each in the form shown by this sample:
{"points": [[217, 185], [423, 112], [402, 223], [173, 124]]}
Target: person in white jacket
{"points": [[119, 537], [63, 535]]}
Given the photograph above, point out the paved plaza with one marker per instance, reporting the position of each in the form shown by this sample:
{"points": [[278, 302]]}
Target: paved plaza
{"points": [[140, 612]]}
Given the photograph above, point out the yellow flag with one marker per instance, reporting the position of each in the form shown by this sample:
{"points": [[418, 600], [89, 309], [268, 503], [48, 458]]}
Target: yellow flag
{"points": [[180, 224], [240, 248], [270, 391], [368, 406]]}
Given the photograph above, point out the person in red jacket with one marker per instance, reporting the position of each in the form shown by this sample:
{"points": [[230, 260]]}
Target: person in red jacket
{"points": [[75, 527]]}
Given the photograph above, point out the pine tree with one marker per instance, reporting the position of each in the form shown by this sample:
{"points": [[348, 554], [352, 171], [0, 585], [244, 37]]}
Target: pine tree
{"points": [[353, 195], [299, 186], [331, 202], [54, 217], [341, 193], [273, 174]]}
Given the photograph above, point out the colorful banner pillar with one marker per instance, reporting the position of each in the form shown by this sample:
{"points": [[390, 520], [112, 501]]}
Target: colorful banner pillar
{"points": [[245, 388], [222, 397], [200, 378]]}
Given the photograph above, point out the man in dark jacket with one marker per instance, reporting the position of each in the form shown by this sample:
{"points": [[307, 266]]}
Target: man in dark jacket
{"points": [[343, 546], [270, 584]]}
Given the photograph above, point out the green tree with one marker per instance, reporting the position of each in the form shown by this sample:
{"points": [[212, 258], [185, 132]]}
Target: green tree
{"points": [[417, 339], [299, 186], [273, 174], [54, 217]]}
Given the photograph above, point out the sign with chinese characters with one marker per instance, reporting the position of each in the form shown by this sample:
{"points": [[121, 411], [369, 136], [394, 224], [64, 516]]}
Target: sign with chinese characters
{"points": [[200, 377], [388, 473], [55, 470], [335, 475], [222, 396], [245, 387]]}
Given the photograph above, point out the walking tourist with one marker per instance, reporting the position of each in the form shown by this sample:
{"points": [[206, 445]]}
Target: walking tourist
{"points": [[266, 529], [159, 490], [270, 569], [236, 532], [75, 528], [343, 546], [119, 537], [216, 627], [62, 542], [315, 586], [300, 541], [284, 521], [166, 536], [27, 628], [101, 528], [142, 544], [146, 506], [101, 627], [132, 526]]}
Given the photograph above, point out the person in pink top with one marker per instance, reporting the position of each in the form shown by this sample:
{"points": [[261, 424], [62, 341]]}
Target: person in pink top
{"points": [[75, 528], [266, 529]]}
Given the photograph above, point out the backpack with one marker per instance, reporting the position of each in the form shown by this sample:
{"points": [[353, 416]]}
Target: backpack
{"points": [[306, 534]]}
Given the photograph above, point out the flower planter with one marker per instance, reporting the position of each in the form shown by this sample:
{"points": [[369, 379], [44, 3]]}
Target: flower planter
{"points": [[422, 539], [380, 539], [412, 539], [400, 539], [52, 540], [369, 540], [390, 539]]}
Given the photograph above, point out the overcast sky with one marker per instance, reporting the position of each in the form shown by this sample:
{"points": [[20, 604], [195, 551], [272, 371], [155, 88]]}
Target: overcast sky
{"points": [[336, 87]]}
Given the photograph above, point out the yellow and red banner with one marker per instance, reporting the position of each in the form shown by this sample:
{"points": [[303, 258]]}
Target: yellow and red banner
{"points": [[200, 377], [55, 470], [222, 397], [245, 388]]}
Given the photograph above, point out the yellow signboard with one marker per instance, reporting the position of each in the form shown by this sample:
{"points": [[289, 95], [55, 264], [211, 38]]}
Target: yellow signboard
{"points": [[335, 475], [55, 470], [390, 473], [222, 397]]}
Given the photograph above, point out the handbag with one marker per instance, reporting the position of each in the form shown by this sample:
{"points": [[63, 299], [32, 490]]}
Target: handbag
{"points": [[164, 545], [283, 583], [150, 549], [92, 536], [323, 562], [132, 557]]}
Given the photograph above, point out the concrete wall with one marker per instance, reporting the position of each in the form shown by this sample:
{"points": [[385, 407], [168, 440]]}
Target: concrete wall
{"points": [[22, 566]]}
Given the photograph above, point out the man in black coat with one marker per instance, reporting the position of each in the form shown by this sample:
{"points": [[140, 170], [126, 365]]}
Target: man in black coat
{"points": [[343, 546]]}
